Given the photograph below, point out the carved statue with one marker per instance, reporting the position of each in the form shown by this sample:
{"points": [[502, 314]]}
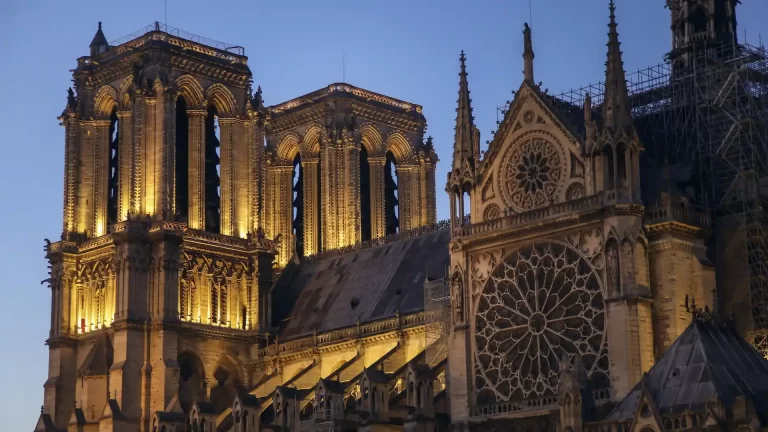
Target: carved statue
{"points": [[612, 269], [457, 294], [71, 99], [527, 38]]}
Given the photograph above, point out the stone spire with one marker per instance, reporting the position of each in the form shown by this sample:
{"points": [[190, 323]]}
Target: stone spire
{"points": [[616, 110], [464, 145], [528, 55], [99, 43]]}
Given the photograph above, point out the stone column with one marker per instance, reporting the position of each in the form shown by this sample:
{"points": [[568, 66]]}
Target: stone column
{"points": [[378, 223], [349, 213], [257, 175], [100, 176], [283, 210], [310, 165], [166, 140], [227, 171], [71, 182], [59, 388], [244, 164], [127, 375], [85, 171], [196, 218], [150, 155], [137, 134], [408, 187], [332, 195], [125, 162]]}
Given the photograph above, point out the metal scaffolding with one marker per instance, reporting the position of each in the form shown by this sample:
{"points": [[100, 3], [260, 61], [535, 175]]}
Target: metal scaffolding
{"points": [[436, 317], [709, 109]]}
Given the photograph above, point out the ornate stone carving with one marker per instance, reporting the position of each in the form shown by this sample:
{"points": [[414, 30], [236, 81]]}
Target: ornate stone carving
{"points": [[542, 302], [457, 296], [491, 212], [528, 117], [612, 267], [575, 191], [531, 174]]}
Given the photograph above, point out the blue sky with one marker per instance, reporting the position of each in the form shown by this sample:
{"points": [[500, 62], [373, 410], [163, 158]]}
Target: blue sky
{"points": [[405, 49]]}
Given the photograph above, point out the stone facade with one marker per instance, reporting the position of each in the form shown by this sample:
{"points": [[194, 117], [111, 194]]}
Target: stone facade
{"points": [[229, 266]]}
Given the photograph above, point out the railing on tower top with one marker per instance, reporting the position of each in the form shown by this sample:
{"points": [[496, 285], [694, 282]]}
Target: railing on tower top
{"points": [[165, 28]]}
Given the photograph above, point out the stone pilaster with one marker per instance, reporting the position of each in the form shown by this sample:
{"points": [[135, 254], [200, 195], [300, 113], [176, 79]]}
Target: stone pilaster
{"points": [[408, 188], [196, 218], [138, 134], [151, 158], [310, 166], [128, 374], [71, 154], [125, 162], [283, 210], [59, 388], [351, 212], [101, 157], [257, 175], [378, 222], [332, 194], [678, 270], [227, 140], [628, 302], [244, 163]]}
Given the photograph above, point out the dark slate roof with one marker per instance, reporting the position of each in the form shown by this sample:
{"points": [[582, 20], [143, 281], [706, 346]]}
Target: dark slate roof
{"points": [[572, 116], [332, 386], [170, 417], [709, 359], [206, 407], [322, 293], [99, 358], [98, 39], [377, 376]]}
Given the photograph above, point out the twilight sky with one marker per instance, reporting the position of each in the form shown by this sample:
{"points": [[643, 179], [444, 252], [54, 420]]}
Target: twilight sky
{"points": [[407, 49]]}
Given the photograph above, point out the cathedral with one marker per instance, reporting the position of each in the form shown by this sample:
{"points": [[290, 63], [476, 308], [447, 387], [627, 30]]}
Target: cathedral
{"points": [[230, 266]]}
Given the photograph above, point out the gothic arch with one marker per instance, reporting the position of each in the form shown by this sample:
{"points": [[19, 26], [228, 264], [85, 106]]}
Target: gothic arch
{"points": [[192, 377], [398, 145], [125, 93], [192, 91], [287, 149], [371, 139], [310, 145], [105, 101], [220, 97]]}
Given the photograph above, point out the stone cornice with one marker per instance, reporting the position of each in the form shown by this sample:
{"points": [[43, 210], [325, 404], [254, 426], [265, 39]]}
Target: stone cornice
{"points": [[365, 113], [185, 56]]}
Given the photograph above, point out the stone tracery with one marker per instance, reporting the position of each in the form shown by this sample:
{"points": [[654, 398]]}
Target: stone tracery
{"points": [[540, 303], [531, 174]]}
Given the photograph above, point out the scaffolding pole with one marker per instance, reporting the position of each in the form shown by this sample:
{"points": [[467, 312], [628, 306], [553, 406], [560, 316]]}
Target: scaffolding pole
{"points": [[436, 307], [709, 109]]}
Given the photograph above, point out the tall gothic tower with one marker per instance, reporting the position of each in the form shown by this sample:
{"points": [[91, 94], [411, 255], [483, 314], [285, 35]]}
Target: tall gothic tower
{"points": [[700, 24], [357, 163], [157, 249], [181, 190]]}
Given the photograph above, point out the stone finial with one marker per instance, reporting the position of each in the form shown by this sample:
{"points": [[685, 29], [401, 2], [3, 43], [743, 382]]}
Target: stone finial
{"points": [[528, 54]]}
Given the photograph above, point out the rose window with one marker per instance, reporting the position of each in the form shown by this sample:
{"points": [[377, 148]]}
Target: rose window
{"points": [[541, 303], [531, 174]]}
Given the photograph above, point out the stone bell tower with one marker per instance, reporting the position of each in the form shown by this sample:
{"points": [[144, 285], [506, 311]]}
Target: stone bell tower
{"points": [[163, 152]]}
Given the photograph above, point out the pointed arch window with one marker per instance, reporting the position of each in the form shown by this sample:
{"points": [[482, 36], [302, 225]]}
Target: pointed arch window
{"points": [[182, 158], [610, 168], [365, 196], [212, 172], [698, 20], [114, 167], [391, 196]]}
